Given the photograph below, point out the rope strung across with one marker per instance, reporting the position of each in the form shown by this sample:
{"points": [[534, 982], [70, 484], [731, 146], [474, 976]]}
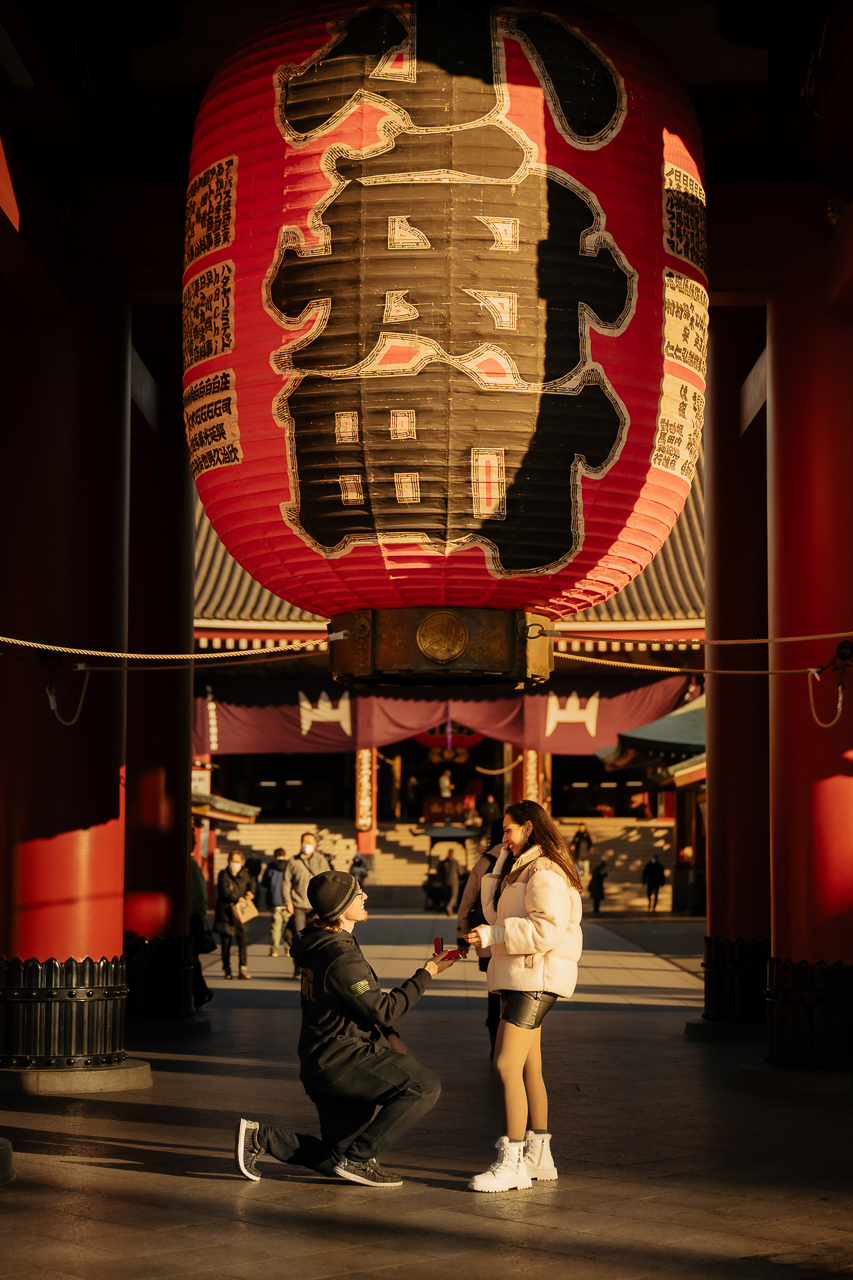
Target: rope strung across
{"points": [[588, 635], [290, 647], [680, 671], [297, 645], [844, 658]]}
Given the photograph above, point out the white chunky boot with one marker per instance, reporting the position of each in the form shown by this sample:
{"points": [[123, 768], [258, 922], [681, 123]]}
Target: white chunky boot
{"points": [[537, 1156], [508, 1173]]}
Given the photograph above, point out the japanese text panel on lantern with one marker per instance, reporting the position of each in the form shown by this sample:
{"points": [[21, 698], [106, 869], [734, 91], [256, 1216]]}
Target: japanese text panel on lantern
{"points": [[445, 308]]}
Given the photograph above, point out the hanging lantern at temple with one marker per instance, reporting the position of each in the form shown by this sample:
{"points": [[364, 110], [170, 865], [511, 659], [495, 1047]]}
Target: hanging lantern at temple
{"points": [[445, 309]]}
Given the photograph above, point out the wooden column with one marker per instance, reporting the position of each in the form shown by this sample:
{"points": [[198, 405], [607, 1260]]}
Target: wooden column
{"points": [[738, 849], [810, 457], [159, 702], [64, 528]]}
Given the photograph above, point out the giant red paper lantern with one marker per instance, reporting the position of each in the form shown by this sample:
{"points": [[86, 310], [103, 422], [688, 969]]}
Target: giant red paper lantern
{"points": [[445, 307]]}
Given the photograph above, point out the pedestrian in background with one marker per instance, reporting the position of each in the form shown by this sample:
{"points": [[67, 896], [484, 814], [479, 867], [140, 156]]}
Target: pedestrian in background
{"points": [[448, 877], [653, 878], [358, 870], [413, 799], [272, 882], [254, 866], [596, 887], [489, 812], [233, 885], [581, 847], [298, 874]]}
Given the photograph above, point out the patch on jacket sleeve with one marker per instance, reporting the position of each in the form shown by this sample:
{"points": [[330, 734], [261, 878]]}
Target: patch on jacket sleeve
{"points": [[359, 988]]}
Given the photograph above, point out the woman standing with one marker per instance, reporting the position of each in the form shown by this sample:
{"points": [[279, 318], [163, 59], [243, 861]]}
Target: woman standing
{"points": [[532, 903], [234, 885]]}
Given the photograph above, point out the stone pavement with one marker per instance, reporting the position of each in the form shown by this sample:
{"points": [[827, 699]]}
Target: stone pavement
{"points": [[666, 1167]]}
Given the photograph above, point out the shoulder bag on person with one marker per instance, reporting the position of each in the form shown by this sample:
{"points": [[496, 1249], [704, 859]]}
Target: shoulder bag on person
{"points": [[243, 912]]}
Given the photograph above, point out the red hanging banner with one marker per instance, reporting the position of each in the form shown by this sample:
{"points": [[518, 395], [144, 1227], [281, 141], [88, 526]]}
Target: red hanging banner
{"points": [[572, 716]]}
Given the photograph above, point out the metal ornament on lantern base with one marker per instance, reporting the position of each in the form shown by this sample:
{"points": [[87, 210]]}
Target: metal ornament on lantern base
{"points": [[414, 646]]}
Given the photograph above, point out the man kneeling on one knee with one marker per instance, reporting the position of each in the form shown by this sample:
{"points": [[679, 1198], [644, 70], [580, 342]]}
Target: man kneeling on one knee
{"points": [[352, 1060]]}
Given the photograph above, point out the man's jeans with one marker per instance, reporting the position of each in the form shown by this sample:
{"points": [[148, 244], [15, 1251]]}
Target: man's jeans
{"points": [[396, 1083], [278, 922]]}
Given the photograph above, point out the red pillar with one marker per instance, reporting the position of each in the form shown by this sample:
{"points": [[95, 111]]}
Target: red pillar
{"points": [[810, 457], [68, 892], [738, 830], [63, 526], [159, 702]]}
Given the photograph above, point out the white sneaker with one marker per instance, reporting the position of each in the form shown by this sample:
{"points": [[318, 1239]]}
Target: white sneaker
{"points": [[508, 1173], [537, 1156]]}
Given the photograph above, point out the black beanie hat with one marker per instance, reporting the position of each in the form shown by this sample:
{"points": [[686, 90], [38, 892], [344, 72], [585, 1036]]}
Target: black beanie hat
{"points": [[331, 893]]}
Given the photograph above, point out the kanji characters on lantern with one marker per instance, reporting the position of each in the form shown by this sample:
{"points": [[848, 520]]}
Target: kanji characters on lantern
{"points": [[454, 254]]}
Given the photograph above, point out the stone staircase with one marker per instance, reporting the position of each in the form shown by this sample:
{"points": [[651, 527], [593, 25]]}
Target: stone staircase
{"points": [[626, 845], [402, 854], [399, 867], [401, 857], [335, 837]]}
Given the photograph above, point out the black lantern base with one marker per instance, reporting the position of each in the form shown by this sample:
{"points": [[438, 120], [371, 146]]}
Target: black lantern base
{"points": [[810, 1015], [735, 981], [431, 645]]}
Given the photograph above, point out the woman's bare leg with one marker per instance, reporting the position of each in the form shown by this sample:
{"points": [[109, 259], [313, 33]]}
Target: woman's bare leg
{"points": [[512, 1048], [534, 1085]]}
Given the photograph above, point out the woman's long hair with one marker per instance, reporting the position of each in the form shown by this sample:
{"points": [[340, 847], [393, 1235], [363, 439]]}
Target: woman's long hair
{"points": [[546, 834]]}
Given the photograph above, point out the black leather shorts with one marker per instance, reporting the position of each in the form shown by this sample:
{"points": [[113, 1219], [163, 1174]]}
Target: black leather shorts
{"points": [[525, 1008]]}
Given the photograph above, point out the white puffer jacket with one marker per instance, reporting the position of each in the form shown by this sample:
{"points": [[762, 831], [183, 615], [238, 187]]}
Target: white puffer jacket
{"points": [[541, 916]]}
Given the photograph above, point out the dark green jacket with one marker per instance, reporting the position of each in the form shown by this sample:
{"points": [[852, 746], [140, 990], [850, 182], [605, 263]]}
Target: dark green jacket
{"points": [[345, 1014]]}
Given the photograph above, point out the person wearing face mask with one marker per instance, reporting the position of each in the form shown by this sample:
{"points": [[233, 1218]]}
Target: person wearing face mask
{"points": [[234, 885], [298, 874], [531, 900]]}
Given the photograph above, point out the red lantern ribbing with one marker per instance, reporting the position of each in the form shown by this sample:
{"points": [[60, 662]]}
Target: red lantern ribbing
{"points": [[445, 306]]}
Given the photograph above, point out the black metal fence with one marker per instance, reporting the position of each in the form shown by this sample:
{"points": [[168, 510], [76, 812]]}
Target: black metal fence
{"points": [[735, 980], [65, 1015]]}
